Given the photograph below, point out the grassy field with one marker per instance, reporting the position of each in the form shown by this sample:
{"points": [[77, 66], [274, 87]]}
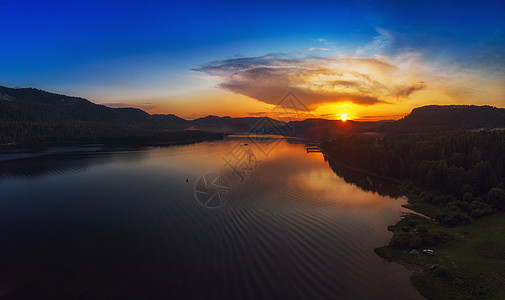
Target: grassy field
{"points": [[471, 263]]}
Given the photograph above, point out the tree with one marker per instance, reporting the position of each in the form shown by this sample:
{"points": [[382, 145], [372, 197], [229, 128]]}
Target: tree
{"points": [[467, 197], [496, 197], [477, 213], [415, 242], [476, 156], [431, 179], [441, 271], [400, 240], [422, 229], [482, 175]]}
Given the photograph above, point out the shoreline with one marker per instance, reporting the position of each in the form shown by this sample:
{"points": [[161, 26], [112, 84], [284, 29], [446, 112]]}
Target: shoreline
{"points": [[19, 152], [468, 264], [383, 251], [366, 172], [414, 269]]}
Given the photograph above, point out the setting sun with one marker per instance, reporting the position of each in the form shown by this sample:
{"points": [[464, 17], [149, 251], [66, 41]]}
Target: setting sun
{"points": [[343, 117]]}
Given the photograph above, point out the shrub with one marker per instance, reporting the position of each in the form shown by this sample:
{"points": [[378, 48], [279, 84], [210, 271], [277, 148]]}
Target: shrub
{"points": [[426, 197], [453, 206], [411, 222], [400, 240], [463, 205], [452, 218], [488, 210], [477, 213], [496, 197], [415, 242], [466, 188], [441, 271], [467, 197], [438, 200], [422, 229], [436, 237], [416, 190], [476, 204]]}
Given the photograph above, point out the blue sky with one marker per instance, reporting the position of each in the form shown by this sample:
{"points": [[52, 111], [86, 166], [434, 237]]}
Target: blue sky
{"points": [[153, 51]]}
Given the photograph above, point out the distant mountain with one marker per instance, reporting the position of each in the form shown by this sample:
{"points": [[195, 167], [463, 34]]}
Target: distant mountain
{"points": [[29, 115], [32, 116], [313, 123], [320, 129], [454, 117], [236, 125], [313, 129], [172, 121], [33, 105], [447, 117]]}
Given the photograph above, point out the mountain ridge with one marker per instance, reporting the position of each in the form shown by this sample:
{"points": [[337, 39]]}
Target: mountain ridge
{"points": [[34, 113], [454, 116]]}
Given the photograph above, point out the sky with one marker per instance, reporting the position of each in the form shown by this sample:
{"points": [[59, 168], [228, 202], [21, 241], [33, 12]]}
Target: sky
{"points": [[369, 60]]}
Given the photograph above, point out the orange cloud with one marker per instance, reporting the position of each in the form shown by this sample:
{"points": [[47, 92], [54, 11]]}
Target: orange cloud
{"points": [[317, 80], [404, 92]]}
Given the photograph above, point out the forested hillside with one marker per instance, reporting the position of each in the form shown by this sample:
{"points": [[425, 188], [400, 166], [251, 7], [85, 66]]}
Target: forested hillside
{"points": [[31, 116], [459, 171], [454, 117]]}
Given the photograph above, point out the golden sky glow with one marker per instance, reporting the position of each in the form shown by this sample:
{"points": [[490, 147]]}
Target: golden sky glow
{"points": [[376, 59], [360, 84], [363, 89], [378, 87]]}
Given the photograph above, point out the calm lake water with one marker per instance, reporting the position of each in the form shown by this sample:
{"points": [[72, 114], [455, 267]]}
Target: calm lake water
{"points": [[127, 224]]}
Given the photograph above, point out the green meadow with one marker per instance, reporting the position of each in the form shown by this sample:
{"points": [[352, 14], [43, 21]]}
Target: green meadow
{"points": [[471, 257]]}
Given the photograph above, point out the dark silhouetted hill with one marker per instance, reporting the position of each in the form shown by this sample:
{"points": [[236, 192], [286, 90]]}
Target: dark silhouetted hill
{"points": [[320, 129], [454, 117], [33, 105], [172, 121], [32, 116], [228, 124]]}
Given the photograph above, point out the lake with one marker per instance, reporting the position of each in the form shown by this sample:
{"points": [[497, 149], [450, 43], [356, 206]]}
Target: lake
{"points": [[233, 219]]}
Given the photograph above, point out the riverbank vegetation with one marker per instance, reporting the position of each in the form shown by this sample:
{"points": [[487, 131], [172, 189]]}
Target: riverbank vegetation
{"points": [[457, 180], [460, 173], [469, 260]]}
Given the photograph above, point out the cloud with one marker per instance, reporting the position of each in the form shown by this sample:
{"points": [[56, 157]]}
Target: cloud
{"points": [[318, 48], [382, 71], [380, 43], [316, 80], [259, 113], [404, 92]]}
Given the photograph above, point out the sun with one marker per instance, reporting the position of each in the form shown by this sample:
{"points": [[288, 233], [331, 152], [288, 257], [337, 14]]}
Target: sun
{"points": [[343, 117]]}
